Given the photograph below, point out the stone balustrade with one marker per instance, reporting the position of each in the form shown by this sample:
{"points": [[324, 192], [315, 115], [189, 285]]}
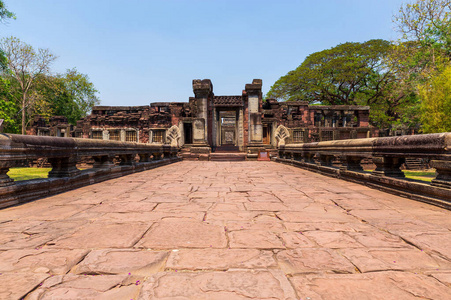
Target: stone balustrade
{"points": [[388, 154], [63, 155]]}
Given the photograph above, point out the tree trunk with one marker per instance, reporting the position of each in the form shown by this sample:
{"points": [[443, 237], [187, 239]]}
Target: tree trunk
{"points": [[24, 97]]}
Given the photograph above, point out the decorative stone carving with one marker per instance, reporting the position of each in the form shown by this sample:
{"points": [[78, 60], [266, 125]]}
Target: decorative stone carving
{"points": [[281, 134], [174, 134]]}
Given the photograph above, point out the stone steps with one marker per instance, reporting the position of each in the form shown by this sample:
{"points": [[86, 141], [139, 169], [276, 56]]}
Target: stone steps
{"points": [[227, 156]]}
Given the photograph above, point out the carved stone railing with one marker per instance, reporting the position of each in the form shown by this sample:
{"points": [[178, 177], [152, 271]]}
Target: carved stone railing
{"points": [[388, 154], [63, 155]]}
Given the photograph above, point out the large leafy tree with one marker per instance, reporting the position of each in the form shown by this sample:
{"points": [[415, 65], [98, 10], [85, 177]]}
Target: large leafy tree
{"points": [[436, 102], [426, 26], [24, 65], [350, 73], [82, 94], [71, 94]]}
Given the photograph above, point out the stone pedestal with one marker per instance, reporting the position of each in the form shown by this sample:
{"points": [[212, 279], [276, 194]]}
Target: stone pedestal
{"points": [[103, 162], [5, 180], [351, 163], [63, 167], [388, 166], [443, 178]]}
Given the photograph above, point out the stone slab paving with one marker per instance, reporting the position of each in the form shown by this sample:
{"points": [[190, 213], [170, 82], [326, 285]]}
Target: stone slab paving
{"points": [[225, 230]]}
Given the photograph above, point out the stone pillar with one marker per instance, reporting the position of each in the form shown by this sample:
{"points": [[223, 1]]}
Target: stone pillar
{"points": [[254, 96], [156, 155], [5, 180], [105, 135], [127, 159], [103, 162], [144, 157], [63, 167], [388, 166], [240, 125], [203, 90], [443, 178], [351, 163], [325, 160]]}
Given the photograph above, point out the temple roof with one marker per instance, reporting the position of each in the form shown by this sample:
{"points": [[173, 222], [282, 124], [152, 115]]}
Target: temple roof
{"points": [[228, 101]]}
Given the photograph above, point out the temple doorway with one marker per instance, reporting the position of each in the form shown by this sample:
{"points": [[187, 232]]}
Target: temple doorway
{"points": [[228, 128], [267, 134], [188, 132]]}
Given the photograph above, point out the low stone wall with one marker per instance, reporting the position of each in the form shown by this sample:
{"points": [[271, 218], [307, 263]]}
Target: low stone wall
{"points": [[63, 154], [388, 154]]}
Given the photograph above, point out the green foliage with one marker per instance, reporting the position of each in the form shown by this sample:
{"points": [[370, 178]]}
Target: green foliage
{"points": [[4, 13], [354, 74], [429, 23], [29, 90], [82, 94], [71, 95], [348, 74], [436, 102], [9, 110]]}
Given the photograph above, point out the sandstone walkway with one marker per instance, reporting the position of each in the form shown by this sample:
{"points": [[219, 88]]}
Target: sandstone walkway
{"points": [[225, 230]]}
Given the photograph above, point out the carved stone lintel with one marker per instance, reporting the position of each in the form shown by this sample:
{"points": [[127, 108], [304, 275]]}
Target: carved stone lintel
{"points": [[63, 167], [443, 178], [351, 163], [388, 166], [103, 162]]}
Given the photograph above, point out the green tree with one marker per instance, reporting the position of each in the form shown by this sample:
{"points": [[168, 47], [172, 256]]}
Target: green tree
{"points": [[427, 22], [436, 102], [350, 74], [24, 65], [426, 27], [9, 109], [81, 92], [5, 14], [70, 94]]}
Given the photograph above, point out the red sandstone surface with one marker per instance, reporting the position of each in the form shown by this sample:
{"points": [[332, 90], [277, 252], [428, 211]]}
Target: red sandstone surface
{"points": [[221, 230]]}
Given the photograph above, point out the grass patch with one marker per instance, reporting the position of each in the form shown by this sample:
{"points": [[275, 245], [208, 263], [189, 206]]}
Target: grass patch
{"points": [[19, 174], [426, 175]]}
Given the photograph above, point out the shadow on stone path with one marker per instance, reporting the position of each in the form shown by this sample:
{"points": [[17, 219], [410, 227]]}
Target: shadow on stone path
{"points": [[241, 230]]}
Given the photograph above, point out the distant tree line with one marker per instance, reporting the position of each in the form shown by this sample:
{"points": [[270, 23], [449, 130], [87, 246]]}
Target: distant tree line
{"points": [[406, 83], [28, 87]]}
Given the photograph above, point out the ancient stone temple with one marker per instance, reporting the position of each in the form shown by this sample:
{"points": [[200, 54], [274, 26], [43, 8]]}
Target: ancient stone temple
{"points": [[209, 123]]}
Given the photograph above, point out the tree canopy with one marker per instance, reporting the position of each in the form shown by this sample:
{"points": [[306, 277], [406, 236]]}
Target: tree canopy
{"points": [[348, 74], [400, 81], [28, 89], [24, 64]]}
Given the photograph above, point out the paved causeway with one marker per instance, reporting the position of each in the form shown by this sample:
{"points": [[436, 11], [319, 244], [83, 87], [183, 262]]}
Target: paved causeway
{"points": [[242, 230]]}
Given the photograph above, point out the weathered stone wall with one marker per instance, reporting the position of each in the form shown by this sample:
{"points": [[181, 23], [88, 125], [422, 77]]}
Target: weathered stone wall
{"points": [[307, 123]]}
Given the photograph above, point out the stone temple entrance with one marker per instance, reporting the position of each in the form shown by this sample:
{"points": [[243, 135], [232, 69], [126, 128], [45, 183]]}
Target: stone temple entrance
{"points": [[228, 126]]}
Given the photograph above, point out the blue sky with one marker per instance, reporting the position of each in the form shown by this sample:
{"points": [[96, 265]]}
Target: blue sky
{"points": [[136, 51]]}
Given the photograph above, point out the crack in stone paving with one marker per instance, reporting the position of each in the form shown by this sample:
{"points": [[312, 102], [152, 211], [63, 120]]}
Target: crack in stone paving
{"points": [[208, 238]]}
